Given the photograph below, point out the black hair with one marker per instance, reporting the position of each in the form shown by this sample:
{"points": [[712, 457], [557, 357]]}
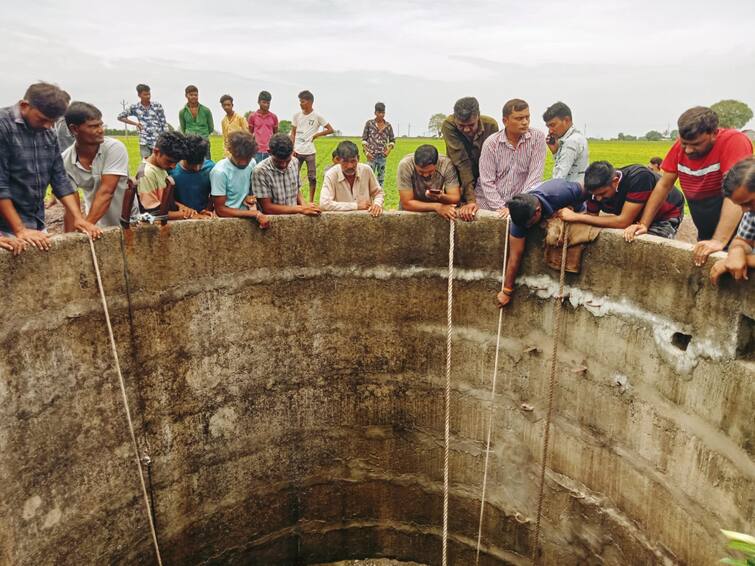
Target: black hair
{"points": [[742, 174], [347, 150], [226, 97], [172, 144], [49, 99], [140, 88], [190, 88], [379, 107], [425, 155], [598, 174], [306, 95], [514, 105], [80, 112], [242, 145], [522, 208], [696, 121], [557, 110], [196, 149], [264, 95], [281, 146], [466, 108], [656, 161]]}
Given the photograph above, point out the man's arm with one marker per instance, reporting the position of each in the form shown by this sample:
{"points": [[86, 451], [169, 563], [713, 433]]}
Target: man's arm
{"points": [[737, 262], [227, 212], [210, 121], [269, 207], [456, 151], [162, 122], [731, 214], [124, 117], [326, 131], [569, 153], [103, 198], [659, 195], [516, 252], [628, 213], [293, 134], [181, 121], [409, 203], [537, 163]]}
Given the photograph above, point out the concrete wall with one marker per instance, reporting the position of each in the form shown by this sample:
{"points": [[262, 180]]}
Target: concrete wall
{"points": [[288, 387]]}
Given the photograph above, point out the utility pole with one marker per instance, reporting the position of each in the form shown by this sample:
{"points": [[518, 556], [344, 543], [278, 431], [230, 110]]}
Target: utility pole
{"points": [[410, 130]]}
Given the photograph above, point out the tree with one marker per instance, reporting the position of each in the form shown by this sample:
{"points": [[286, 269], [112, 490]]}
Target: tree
{"points": [[246, 114], [436, 123], [284, 126], [673, 134], [654, 135], [732, 113]]}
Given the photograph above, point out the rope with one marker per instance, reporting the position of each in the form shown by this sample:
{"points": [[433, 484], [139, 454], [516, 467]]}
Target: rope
{"points": [[492, 394], [551, 389], [449, 334], [125, 402]]}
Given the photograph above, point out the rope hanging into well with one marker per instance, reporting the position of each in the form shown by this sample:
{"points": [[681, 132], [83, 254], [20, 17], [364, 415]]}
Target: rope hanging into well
{"points": [[557, 309], [449, 334], [125, 402], [492, 395]]}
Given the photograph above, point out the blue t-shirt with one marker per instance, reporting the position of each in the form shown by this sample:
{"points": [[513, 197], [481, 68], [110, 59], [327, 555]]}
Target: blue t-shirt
{"points": [[231, 182], [193, 188], [553, 195]]}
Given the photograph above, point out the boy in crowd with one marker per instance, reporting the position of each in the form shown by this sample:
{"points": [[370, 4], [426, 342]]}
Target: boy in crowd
{"points": [[97, 165], [231, 181], [150, 119], [232, 122], [262, 125], [194, 118], [305, 129], [276, 181], [154, 185], [529, 209], [30, 160], [700, 158], [350, 185], [427, 182], [739, 186], [192, 176], [378, 141], [567, 144], [623, 193]]}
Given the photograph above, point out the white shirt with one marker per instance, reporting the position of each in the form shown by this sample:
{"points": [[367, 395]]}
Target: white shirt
{"points": [[337, 194], [307, 125]]}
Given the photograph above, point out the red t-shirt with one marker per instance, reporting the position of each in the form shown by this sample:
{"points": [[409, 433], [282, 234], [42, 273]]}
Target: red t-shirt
{"points": [[703, 178]]}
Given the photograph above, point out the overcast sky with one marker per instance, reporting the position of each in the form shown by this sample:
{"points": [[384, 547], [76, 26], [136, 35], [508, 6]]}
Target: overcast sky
{"points": [[620, 65]]}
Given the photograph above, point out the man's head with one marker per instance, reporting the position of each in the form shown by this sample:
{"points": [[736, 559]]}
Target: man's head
{"points": [[558, 119], [347, 155], [380, 110], [169, 150], [145, 94], [467, 115], [43, 104], [516, 116], [192, 94], [601, 180], [306, 99], [697, 131], [195, 152], [264, 100], [281, 149], [739, 184], [655, 164], [226, 101], [242, 146], [425, 160], [525, 210], [85, 123]]}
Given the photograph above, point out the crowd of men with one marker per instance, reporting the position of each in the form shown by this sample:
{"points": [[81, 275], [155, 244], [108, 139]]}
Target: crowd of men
{"points": [[45, 139]]}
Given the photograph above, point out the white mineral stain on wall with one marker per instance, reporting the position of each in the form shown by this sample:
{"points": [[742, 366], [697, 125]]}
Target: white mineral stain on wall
{"points": [[30, 507], [52, 518], [223, 423]]}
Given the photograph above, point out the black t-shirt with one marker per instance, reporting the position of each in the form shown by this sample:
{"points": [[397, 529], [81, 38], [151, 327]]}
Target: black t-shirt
{"points": [[636, 185]]}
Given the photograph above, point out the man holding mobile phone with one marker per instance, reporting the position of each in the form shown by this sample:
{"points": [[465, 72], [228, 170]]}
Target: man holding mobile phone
{"points": [[567, 144], [427, 182]]}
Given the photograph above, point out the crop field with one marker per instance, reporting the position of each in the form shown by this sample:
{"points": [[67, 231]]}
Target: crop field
{"points": [[619, 153]]}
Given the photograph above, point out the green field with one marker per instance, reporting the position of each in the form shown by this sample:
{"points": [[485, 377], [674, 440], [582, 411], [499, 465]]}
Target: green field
{"points": [[617, 152]]}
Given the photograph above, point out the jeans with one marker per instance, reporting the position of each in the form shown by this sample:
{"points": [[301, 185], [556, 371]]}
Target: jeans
{"points": [[665, 228], [378, 166], [145, 151], [260, 155]]}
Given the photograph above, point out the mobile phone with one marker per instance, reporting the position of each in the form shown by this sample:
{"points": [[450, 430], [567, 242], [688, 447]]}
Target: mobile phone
{"points": [[551, 139]]}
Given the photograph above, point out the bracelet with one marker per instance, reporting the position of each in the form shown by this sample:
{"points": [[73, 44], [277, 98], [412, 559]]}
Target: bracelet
{"points": [[507, 291]]}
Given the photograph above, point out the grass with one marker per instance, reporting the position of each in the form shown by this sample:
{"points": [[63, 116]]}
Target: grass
{"points": [[619, 153]]}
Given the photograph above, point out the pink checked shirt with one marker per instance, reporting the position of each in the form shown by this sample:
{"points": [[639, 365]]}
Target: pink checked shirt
{"points": [[506, 171]]}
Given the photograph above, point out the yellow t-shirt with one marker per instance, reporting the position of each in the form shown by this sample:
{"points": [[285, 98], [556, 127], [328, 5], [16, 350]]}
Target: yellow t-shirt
{"points": [[236, 123]]}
